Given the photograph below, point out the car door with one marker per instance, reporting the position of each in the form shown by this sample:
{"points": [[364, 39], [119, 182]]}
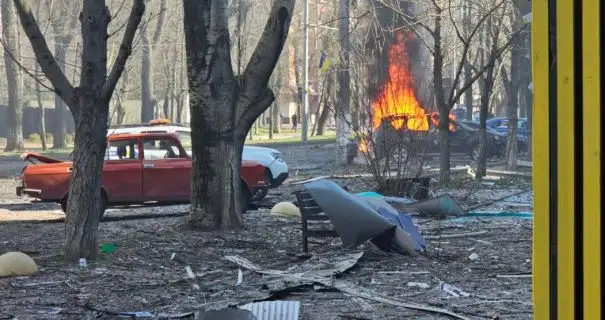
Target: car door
{"points": [[166, 170], [122, 171]]}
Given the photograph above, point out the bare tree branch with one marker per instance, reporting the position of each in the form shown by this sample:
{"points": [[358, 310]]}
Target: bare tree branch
{"points": [[136, 14], [45, 58], [490, 63], [265, 56], [466, 46], [158, 30]]}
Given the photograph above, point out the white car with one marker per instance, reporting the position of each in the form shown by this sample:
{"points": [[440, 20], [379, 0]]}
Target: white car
{"points": [[277, 169]]}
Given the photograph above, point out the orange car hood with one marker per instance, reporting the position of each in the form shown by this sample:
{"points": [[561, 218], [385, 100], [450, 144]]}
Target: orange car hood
{"points": [[31, 156]]}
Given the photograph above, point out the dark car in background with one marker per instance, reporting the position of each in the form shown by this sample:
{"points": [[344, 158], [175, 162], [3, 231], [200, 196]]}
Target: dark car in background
{"points": [[392, 137], [500, 124]]}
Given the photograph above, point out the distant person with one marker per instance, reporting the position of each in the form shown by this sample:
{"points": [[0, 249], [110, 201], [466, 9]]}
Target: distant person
{"points": [[294, 122]]}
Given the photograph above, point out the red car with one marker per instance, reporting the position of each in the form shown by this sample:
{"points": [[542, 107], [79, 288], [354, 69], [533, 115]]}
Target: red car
{"points": [[138, 168]]}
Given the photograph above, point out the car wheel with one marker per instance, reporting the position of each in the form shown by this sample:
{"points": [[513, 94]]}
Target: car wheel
{"points": [[245, 198], [475, 150], [103, 204]]}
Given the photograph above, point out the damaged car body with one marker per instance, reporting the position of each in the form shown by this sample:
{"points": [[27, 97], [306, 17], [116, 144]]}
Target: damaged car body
{"points": [[138, 169]]}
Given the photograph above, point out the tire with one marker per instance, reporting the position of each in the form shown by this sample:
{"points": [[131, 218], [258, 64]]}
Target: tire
{"points": [[474, 152], [244, 198], [103, 203]]}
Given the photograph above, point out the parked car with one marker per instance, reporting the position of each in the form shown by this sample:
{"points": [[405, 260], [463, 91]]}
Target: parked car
{"points": [[273, 161], [469, 132], [463, 138], [138, 168], [500, 124]]}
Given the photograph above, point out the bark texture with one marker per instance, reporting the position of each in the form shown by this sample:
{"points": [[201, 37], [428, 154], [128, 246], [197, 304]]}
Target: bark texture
{"points": [[223, 106], [14, 114], [89, 104]]}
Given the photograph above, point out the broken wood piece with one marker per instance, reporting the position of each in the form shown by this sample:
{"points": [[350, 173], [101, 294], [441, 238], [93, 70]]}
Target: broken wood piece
{"points": [[343, 286], [513, 276], [404, 272], [455, 236]]}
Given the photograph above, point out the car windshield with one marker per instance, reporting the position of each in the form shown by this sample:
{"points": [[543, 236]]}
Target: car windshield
{"points": [[185, 138]]}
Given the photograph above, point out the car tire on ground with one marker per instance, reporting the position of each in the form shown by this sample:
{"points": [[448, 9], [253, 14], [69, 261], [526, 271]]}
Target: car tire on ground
{"points": [[474, 153], [245, 198], [103, 204]]}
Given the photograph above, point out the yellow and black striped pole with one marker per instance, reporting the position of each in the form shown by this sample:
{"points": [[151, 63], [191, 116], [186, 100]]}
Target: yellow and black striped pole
{"points": [[567, 36]]}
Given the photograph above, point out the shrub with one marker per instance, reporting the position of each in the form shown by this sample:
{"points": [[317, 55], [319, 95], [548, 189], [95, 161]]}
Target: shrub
{"points": [[34, 138]]}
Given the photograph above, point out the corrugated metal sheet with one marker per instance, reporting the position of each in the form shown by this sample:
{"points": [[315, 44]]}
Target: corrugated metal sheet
{"points": [[274, 310]]}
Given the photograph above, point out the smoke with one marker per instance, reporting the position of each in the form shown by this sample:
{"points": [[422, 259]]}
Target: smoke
{"points": [[388, 22]]}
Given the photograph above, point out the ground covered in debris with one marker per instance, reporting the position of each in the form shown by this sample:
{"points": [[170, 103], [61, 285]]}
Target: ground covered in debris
{"points": [[477, 267]]}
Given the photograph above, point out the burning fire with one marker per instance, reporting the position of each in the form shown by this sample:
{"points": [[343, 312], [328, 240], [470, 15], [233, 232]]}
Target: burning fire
{"points": [[397, 97]]}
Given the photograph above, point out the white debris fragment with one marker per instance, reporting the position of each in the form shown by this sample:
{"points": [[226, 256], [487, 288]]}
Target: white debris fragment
{"points": [[474, 256], [453, 291], [419, 285], [240, 277], [190, 273]]}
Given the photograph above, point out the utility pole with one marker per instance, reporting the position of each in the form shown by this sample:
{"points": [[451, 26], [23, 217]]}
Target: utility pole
{"points": [[305, 86], [343, 118]]}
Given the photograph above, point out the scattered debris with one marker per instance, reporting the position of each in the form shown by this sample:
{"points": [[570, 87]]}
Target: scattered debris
{"points": [[453, 291], [473, 257], [419, 285], [454, 236], [490, 202], [441, 206], [514, 276], [342, 286], [355, 221], [273, 310]]}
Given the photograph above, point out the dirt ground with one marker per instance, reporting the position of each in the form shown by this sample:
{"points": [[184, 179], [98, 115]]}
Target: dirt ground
{"points": [[141, 276]]}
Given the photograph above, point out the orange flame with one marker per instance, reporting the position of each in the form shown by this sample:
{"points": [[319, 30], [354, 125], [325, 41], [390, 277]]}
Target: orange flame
{"points": [[397, 96]]}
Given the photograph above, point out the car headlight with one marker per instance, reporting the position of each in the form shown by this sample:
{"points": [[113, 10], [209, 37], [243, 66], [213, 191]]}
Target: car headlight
{"points": [[277, 156]]}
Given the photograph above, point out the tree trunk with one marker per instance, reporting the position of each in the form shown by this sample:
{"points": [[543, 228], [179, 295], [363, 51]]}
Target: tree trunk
{"points": [[147, 105], [121, 97], [512, 149], [84, 206], [89, 104], [444, 148], [216, 183], [224, 107], [271, 120], [276, 117], [41, 123], [468, 94], [14, 114], [323, 118], [529, 101], [442, 106], [59, 129]]}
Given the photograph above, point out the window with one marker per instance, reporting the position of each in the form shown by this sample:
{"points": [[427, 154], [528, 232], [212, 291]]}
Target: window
{"points": [[122, 150], [185, 138], [160, 148]]}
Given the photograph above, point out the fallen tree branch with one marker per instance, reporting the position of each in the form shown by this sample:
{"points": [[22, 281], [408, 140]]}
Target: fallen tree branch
{"points": [[342, 286], [455, 236]]}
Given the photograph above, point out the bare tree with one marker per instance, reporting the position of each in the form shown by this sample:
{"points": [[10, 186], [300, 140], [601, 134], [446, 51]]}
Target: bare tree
{"points": [[223, 106], [446, 99], [64, 21], [512, 81], [89, 104], [487, 52], [14, 115], [148, 101]]}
